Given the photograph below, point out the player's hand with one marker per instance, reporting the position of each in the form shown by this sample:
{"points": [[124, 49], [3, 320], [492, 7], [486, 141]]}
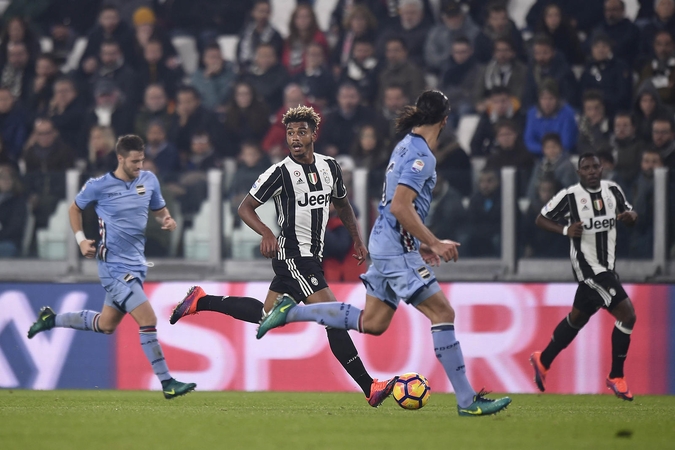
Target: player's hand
{"points": [[168, 223], [269, 247], [360, 252], [429, 256], [446, 249], [87, 248], [575, 230], [628, 217]]}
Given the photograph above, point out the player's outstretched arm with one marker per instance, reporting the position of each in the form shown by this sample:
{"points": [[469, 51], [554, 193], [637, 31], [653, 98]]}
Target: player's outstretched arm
{"points": [[163, 216], [269, 245], [348, 218], [87, 247], [573, 230]]}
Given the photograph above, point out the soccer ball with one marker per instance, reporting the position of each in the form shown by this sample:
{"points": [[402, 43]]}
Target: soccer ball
{"points": [[411, 391]]}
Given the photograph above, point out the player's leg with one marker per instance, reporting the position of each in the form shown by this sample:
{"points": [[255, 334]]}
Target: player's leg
{"points": [[196, 300], [624, 312]]}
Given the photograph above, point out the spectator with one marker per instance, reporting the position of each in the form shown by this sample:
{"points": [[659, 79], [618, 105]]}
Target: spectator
{"points": [[361, 69], [642, 197], [647, 106], [585, 14], [360, 24], [663, 19], [386, 13], [398, 69], [540, 243], [154, 69], [146, 31], [547, 63], [246, 116], [154, 108], [267, 76], [13, 129], [17, 30], [108, 28], [459, 79], [485, 217], [550, 115], [454, 24], [660, 70], [207, 19], [502, 70], [447, 218], [622, 32], [608, 74], [303, 29], [369, 152], [47, 158], [190, 118], [498, 25], [66, 109], [214, 81], [453, 164], [510, 151], [501, 105], [101, 151], [556, 25], [257, 31], [161, 152], [626, 148], [554, 163], [17, 72], [608, 165], [114, 67], [409, 27], [663, 138], [42, 85], [251, 162], [63, 38], [316, 80], [13, 210], [392, 104], [594, 130]]}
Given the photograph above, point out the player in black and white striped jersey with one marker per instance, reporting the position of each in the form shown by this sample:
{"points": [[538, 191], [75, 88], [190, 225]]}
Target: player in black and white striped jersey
{"points": [[592, 209]]}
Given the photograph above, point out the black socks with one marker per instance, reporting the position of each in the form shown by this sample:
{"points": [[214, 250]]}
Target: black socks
{"points": [[620, 343], [344, 350], [247, 309], [563, 334]]}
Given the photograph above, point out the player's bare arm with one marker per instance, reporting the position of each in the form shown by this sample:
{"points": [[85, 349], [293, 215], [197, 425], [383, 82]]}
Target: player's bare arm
{"points": [[268, 245], [164, 217], [403, 209], [573, 230], [628, 217], [87, 246], [348, 218]]}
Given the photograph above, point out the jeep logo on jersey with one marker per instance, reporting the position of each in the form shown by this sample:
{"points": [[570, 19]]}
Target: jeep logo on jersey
{"points": [[597, 224], [315, 199], [140, 189]]}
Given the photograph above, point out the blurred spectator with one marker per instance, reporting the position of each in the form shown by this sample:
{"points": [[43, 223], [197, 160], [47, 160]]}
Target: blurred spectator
{"points": [[62, 18], [13, 211], [102, 157], [622, 32], [246, 116], [251, 162], [63, 39], [410, 27], [547, 63], [626, 148], [550, 115], [663, 19], [386, 12], [146, 31], [302, 29], [360, 24], [459, 78], [47, 158], [485, 217], [13, 129], [454, 24], [316, 80], [115, 68], [267, 76], [161, 152], [594, 132], [191, 117], [369, 152], [42, 85], [398, 69], [158, 241], [608, 74], [108, 28], [504, 69], [647, 106], [207, 19], [257, 30], [584, 14], [608, 165], [17, 73], [453, 164], [361, 69], [556, 25], [663, 138], [392, 104], [341, 126], [498, 25], [509, 150], [660, 70], [642, 198], [153, 69], [154, 108], [501, 105], [66, 109], [447, 218], [540, 243], [214, 80], [554, 163], [16, 31]]}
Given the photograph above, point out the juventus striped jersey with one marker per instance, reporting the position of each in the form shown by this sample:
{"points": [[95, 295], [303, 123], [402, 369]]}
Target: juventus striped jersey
{"points": [[594, 251], [302, 195]]}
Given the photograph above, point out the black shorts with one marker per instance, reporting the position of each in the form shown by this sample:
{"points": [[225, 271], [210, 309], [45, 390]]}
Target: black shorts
{"points": [[600, 291], [299, 277]]}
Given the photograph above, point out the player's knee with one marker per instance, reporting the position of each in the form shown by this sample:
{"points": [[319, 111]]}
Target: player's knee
{"points": [[374, 328], [107, 328], [629, 321]]}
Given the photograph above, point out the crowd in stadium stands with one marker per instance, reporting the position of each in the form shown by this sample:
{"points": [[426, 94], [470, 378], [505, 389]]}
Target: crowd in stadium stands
{"points": [[580, 77]]}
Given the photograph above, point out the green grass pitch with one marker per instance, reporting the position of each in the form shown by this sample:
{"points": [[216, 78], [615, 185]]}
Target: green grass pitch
{"points": [[248, 420]]}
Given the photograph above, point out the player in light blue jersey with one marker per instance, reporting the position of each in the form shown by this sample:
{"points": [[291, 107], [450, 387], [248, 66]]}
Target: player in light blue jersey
{"points": [[403, 250], [122, 199]]}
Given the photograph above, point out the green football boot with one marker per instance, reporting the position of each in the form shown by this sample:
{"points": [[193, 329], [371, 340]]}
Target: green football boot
{"points": [[173, 388], [44, 322], [482, 406], [277, 316]]}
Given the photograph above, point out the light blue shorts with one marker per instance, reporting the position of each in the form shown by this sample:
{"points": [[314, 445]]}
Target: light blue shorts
{"points": [[405, 277], [123, 287]]}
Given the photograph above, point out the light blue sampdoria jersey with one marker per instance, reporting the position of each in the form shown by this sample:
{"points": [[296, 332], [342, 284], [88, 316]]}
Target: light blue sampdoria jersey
{"points": [[411, 164], [122, 209]]}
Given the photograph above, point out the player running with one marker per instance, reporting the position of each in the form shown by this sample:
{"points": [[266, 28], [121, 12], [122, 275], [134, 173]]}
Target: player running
{"points": [[402, 250], [302, 186], [592, 207], [122, 200]]}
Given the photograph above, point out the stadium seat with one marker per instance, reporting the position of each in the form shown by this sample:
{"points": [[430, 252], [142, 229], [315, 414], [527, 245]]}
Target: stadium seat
{"points": [[245, 241], [186, 46], [46, 44], [228, 47], [75, 55], [176, 235], [28, 233], [52, 241], [466, 129], [196, 244]]}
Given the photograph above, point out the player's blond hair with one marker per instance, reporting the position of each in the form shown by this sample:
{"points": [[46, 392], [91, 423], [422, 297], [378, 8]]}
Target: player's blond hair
{"points": [[302, 113]]}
